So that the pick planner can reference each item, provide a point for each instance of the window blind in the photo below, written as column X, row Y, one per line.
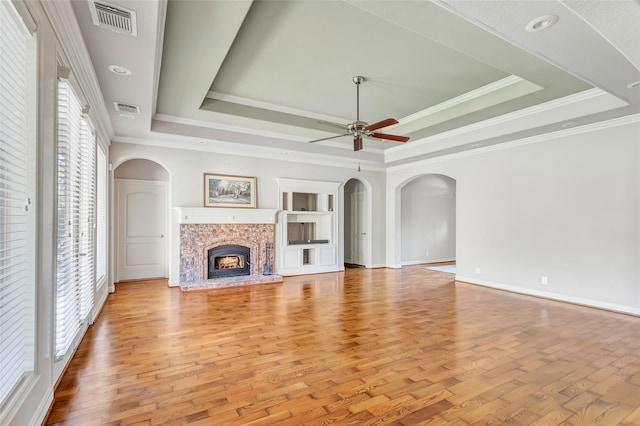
column 87, row 216
column 16, row 220
column 76, row 218
column 101, row 218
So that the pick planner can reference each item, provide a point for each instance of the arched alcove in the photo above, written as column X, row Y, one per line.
column 428, row 219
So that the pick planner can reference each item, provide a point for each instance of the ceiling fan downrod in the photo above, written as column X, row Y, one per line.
column 357, row 80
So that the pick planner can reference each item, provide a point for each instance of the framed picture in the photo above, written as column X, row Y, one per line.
column 229, row 191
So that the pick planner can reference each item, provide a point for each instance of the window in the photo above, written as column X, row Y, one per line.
column 76, row 218
column 17, row 202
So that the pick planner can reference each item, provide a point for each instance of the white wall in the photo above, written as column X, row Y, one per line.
column 567, row 208
column 187, row 167
column 428, row 220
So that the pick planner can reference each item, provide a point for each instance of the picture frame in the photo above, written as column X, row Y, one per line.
column 230, row 191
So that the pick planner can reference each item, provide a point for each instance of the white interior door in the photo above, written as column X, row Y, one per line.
column 359, row 225
column 141, row 229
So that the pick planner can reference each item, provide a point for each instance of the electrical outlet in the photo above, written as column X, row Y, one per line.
column 477, row 269
column 543, row 281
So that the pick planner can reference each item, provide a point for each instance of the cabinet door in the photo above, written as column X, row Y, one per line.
column 326, row 255
column 291, row 258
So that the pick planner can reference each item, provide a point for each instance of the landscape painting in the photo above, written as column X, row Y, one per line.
column 229, row 191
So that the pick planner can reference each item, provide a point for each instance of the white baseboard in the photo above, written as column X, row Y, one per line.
column 418, row 262
column 41, row 412
column 553, row 296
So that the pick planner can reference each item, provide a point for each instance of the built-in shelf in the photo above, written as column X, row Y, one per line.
column 306, row 230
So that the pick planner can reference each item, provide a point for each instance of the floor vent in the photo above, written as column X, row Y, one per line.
column 114, row 18
column 126, row 108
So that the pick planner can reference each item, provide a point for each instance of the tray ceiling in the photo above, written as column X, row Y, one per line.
column 265, row 73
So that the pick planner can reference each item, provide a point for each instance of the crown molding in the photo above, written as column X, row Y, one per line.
column 267, row 153
column 65, row 26
column 616, row 122
column 567, row 108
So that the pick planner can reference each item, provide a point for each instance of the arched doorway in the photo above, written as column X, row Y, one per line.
column 141, row 213
column 357, row 223
column 428, row 220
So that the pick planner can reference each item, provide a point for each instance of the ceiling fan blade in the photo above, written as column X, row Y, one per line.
column 389, row 137
column 357, row 143
column 330, row 137
column 381, row 124
column 339, row 126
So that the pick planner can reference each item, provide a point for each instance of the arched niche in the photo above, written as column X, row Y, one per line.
column 428, row 219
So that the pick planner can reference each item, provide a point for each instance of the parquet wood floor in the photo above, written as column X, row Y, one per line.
column 364, row 347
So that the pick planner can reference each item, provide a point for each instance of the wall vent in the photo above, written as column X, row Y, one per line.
column 126, row 108
column 114, row 18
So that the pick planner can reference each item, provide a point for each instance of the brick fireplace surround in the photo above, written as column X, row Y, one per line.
column 202, row 229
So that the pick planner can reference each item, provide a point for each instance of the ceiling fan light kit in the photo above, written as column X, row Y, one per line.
column 359, row 129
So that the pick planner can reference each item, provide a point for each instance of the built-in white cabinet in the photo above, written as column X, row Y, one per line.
column 307, row 228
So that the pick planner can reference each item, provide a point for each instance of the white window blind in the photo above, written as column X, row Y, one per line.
column 17, row 222
column 87, row 215
column 76, row 218
column 101, row 218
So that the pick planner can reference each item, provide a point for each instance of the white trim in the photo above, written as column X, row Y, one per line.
column 426, row 261
column 252, row 151
column 602, row 125
column 377, row 265
column 274, row 107
column 466, row 103
column 17, row 399
column 40, row 414
column 98, row 302
column 212, row 215
column 566, row 108
column 553, row 296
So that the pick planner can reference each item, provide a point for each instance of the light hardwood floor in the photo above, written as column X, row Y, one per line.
column 363, row 347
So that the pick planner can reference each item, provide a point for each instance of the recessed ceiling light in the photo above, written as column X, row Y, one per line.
column 117, row 69
column 542, row 23
column 634, row 85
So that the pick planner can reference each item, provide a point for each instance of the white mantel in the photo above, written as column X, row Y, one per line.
column 205, row 215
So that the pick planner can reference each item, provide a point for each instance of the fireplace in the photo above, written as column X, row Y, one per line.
column 249, row 232
column 229, row 260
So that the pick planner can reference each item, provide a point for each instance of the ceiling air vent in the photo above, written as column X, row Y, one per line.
column 114, row 18
column 126, row 108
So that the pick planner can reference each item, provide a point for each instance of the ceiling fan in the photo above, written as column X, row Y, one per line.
column 359, row 129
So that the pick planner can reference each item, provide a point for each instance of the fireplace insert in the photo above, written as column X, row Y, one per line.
column 229, row 261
